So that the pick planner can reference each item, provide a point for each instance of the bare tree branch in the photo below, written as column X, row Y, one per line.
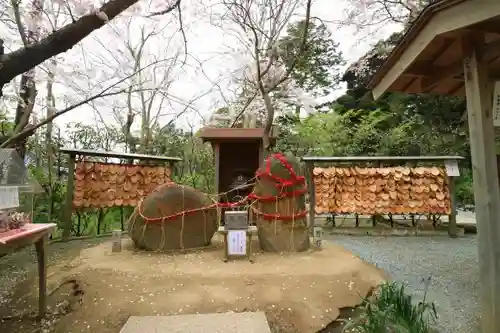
column 167, row 10
column 30, row 130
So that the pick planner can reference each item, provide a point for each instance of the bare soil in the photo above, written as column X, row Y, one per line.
column 98, row 290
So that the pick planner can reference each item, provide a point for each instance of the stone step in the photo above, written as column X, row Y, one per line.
column 230, row 322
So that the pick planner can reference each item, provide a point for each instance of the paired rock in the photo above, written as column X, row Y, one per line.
column 195, row 228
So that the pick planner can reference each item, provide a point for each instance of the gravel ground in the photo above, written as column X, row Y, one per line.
column 451, row 264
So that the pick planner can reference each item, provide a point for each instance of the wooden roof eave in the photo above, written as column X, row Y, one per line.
column 443, row 17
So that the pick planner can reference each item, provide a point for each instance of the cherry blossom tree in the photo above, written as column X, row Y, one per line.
column 38, row 32
column 374, row 14
column 265, row 80
column 85, row 18
column 370, row 16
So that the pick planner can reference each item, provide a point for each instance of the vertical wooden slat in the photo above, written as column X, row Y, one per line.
column 486, row 187
column 68, row 209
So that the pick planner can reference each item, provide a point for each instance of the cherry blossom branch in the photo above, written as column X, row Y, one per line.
column 26, row 58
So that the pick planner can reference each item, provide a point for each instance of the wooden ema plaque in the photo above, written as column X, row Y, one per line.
column 399, row 190
column 102, row 185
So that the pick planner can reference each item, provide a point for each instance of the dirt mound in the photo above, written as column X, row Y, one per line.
column 281, row 186
column 159, row 224
column 299, row 292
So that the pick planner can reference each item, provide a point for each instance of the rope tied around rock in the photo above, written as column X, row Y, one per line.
column 281, row 184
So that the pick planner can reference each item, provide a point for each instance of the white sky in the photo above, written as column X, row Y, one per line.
column 205, row 42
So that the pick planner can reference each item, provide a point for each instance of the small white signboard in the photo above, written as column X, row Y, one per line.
column 9, row 197
column 496, row 105
column 452, row 169
column 237, row 242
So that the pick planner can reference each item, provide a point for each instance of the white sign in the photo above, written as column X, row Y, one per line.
column 237, row 242
column 9, row 197
column 496, row 105
column 317, row 236
column 452, row 169
column 318, row 232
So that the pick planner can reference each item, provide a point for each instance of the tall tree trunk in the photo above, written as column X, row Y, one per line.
column 48, row 140
column 27, row 91
column 269, row 121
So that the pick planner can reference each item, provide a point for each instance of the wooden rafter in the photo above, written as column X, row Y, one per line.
column 431, row 75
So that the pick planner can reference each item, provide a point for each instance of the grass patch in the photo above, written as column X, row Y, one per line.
column 392, row 310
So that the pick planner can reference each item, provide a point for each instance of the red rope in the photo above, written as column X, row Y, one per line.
column 281, row 184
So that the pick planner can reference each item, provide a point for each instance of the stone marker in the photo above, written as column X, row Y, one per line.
column 243, row 322
column 116, row 245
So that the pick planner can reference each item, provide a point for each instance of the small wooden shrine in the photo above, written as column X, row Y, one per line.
column 239, row 152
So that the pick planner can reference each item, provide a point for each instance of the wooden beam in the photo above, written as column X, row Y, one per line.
column 486, row 187
column 112, row 154
column 489, row 27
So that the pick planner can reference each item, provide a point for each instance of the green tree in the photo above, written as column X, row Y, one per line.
column 317, row 68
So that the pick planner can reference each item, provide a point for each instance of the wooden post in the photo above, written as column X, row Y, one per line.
column 312, row 196
column 226, row 252
column 42, row 275
column 216, row 146
column 68, row 208
column 452, row 218
column 486, row 187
